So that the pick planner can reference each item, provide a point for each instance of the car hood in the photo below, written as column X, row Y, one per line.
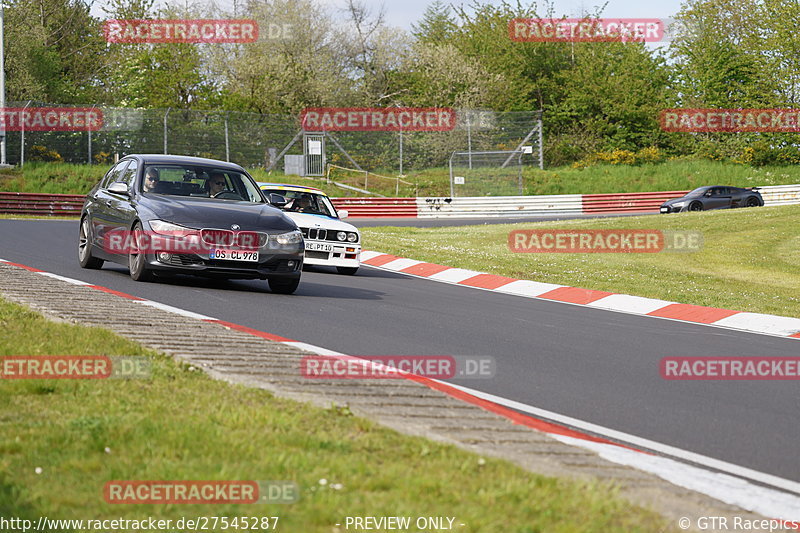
column 305, row 220
column 205, row 213
column 676, row 200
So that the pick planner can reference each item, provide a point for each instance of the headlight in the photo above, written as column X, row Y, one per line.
column 352, row 237
column 342, row 236
column 679, row 204
column 173, row 230
column 293, row 237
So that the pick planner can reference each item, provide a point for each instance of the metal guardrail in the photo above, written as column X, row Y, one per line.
column 637, row 202
column 498, row 206
column 21, row 203
column 17, row 203
column 378, row 207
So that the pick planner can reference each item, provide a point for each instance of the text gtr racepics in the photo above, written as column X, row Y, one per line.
column 329, row 241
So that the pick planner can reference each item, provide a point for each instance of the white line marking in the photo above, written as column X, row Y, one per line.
column 62, row 278
column 729, row 489
column 176, row 310
column 768, row 479
column 311, row 348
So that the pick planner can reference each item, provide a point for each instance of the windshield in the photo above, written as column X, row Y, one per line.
column 306, row 202
column 201, row 182
column 698, row 191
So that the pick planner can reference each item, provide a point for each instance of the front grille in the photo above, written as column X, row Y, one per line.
column 319, row 234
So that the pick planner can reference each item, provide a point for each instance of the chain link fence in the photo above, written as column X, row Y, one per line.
column 262, row 140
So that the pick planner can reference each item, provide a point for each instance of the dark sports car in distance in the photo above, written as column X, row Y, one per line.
column 715, row 197
column 160, row 214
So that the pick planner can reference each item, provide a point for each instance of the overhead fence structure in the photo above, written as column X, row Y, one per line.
column 256, row 140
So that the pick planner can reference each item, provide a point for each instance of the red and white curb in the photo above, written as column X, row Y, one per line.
column 725, row 482
column 780, row 326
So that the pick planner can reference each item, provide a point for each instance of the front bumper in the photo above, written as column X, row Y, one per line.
column 285, row 265
column 341, row 254
column 672, row 209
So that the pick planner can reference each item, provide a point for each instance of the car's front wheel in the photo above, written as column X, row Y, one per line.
column 284, row 286
column 752, row 202
column 695, row 206
column 348, row 271
column 137, row 262
column 85, row 257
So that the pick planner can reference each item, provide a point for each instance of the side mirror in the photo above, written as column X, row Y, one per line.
column 343, row 213
column 277, row 200
column 119, row 188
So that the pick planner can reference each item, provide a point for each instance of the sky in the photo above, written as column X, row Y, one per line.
column 403, row 13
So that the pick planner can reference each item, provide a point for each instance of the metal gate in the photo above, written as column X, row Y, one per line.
column 314, row 152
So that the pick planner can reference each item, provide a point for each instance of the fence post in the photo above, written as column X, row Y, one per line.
column 401, row 152
column 469, row 137
column 89, row 132
column 227, row 146
column 165, row 130
column 541, row 143
column 22, row 137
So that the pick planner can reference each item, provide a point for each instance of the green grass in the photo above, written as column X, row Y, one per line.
column 672, row 175
column 181, row 425
column 750, row 260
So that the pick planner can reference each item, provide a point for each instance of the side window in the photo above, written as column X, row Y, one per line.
column 129, row 175
column 113, row 174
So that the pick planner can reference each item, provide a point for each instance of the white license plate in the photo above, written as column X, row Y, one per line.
column 318, row 247
column 234, row 255
column 664, row 209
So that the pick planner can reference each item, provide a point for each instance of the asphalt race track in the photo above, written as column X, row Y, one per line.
column 595, row 365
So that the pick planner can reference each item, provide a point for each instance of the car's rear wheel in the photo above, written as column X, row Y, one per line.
column 695, row 206
column 284, row 286
column 85, row 257
column 137, row 262
column 752, row 202
column 348, row 271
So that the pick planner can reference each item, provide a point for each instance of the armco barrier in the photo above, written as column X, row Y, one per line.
column 780, row 194
column 498, row 206
column 439, row 207
column 21, row 203
column 637, row 202
column 378, row 207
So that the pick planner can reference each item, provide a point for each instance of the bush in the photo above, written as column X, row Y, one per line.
column 103, row 158
column 41, row 153
column 650, row 154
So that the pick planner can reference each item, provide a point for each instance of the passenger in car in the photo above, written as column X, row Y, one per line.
column 152, row 181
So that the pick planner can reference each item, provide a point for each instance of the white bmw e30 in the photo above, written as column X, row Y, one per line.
column 329, row 240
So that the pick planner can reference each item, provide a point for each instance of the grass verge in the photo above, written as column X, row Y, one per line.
column 750, row 260
column 182, row 425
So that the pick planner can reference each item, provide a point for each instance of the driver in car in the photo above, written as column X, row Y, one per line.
column 216, row 183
